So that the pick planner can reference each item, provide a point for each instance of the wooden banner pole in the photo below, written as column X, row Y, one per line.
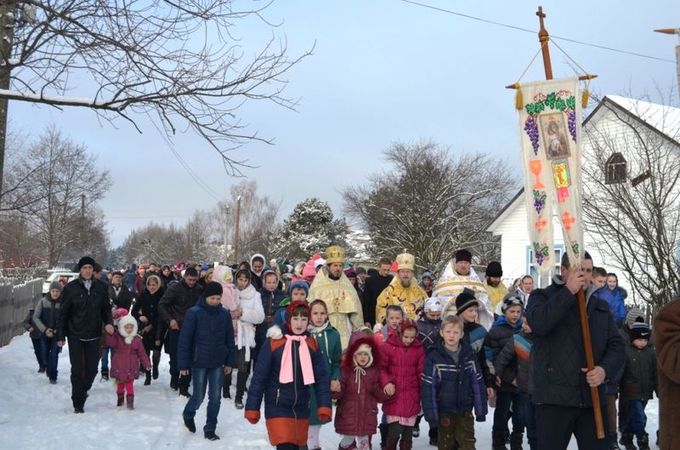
column 544, row 38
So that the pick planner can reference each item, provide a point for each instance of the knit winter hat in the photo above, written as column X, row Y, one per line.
column 84, row 261
column 319, row 262
column 633, row 313
column 494, row 269
column 463, row 255
column 120, row 312
column 350, row 273
column 309, row 271
column 512, row 299
column 433, row 304
column 289, row 313
column 465, row 300
column 364, row 348
column 127, row 320
column 56, row 285
column 301, row 284
column 639, row 330
column 406, row 324
column 212, row 288
column 427, row 275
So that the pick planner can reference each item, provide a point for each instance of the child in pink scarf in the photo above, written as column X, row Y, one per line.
column 287, row 368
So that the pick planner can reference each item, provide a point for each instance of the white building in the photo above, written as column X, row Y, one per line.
column 607, row 119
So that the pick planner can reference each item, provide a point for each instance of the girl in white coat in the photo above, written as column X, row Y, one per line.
column 248, row 314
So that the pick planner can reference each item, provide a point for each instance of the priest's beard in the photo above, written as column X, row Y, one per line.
column 406, row 283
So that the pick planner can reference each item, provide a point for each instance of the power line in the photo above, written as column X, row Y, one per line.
column 526, row 30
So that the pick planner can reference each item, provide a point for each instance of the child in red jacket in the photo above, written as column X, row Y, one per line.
column 360, row 392
column 128, row 355
column 403, row 359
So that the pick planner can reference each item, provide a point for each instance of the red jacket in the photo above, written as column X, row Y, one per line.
column 402, row 366
column 126, row 357
column 357, row 413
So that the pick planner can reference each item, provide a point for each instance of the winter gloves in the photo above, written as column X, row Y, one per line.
column 324, row 413
column 252, row 416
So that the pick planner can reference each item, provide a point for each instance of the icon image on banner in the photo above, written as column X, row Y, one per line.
column 554, row 132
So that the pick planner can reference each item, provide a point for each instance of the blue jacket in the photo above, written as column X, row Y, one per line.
column 448, row 387
column 428, row 332
column 616, row 300
column 206, row 339
column 270, row 306
column 289, row 399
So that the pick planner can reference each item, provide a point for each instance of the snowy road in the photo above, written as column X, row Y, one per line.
column 37, row 415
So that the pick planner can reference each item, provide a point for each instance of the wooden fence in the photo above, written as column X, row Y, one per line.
column 15, row 301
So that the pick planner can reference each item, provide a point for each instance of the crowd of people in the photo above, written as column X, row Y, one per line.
column 388, row 350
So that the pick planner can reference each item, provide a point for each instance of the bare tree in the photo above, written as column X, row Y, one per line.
column 177, row 61
column 66, row 183
column 258, row 218
column 431, row 204
column 201, row 238
column 631, row 183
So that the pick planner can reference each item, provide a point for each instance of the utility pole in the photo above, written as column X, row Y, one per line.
column 236, row 228
column 8, row 10
column 675, row 31
column 226, row 248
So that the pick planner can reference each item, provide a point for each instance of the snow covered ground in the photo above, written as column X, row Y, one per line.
column 37, row 415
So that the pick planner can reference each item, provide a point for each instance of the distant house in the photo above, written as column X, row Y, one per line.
column 608, row 119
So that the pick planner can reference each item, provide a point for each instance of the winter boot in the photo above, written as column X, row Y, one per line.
column 405, row 445
column 383, row 435
column 174, row 384
column 238, row 403
column 498, row 441
column 42, row 369
column 105, row 374
column 516, row 440
column 613, row 444
column 390, row 444
column 643, row 442
column 351, row 446
column 156, row 360
column 120, row 399
column 211, row 436
column 189, row 423
column 225, row 387
column 147, row 380
column 627, row 441
column 130, row 401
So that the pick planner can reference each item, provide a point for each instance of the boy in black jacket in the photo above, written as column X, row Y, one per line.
column 638, row 385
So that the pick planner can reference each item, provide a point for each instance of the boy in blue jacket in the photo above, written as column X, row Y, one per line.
column 452, row 386
column 206, row 350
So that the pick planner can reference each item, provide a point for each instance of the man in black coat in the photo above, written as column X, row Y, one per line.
column 561, row 382
column 178, row 298
column 373, row 288
column 85, row 308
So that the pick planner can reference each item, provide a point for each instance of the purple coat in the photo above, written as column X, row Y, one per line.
column 357, row 413
column 126, row 357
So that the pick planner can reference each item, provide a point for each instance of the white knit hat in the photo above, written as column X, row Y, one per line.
column 364, row 348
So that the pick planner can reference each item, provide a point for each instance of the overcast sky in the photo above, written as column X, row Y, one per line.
column 382, row 71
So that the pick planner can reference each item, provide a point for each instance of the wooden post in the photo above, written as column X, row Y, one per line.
column 236, row 228
column 544, row 38
column 226, row 217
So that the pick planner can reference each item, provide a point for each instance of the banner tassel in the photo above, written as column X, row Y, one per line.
column 585, row 97
column 519, row 98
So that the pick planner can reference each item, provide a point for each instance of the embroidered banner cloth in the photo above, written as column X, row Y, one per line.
column 550, row 141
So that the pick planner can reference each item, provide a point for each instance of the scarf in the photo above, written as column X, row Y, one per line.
column 358, row 373
column 286, row 373
column 316, row 332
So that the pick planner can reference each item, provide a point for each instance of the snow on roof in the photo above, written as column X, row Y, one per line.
column 664, row 118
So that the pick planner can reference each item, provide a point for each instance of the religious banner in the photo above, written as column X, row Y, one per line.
column 550, row 137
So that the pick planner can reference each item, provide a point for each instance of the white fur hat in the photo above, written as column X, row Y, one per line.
column 365, row 348
column 126, row 320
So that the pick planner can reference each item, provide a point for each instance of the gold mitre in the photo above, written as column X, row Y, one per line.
column 406, row 261
column 335, row 254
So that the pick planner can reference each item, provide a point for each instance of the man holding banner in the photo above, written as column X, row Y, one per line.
column 561, row 382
